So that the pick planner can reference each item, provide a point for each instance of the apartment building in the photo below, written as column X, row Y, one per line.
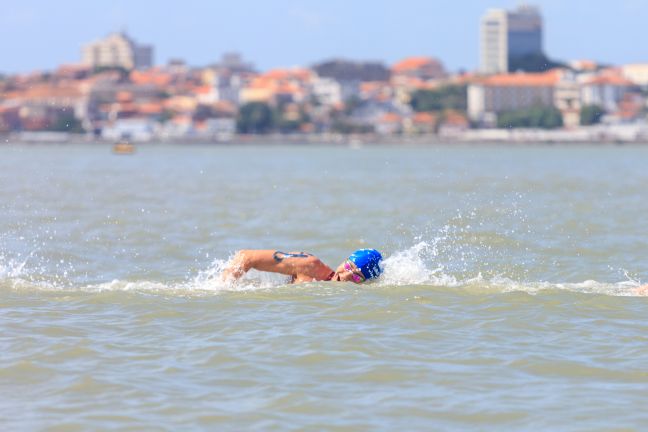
column 606, row 89
column 509, row 34
column 495, row 94
column 117, row 50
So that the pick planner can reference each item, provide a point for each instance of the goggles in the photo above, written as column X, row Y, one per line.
column 356, row 275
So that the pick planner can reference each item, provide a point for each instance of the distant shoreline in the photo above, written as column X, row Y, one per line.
column 518, row 137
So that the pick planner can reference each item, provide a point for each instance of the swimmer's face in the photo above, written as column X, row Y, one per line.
column 348, row 272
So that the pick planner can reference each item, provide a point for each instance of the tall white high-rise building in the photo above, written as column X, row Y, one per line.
column 493, row 49
column 509, row 34
column 117, row 50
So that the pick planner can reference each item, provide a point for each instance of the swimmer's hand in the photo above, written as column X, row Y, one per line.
column 642, row 290
column 236, row 267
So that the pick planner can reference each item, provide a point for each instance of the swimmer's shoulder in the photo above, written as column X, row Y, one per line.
column 312, row 269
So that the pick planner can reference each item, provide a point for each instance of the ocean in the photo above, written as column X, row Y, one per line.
column 509, row 301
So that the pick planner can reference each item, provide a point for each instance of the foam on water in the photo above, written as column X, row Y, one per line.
column 412, row 267
column 10, row 267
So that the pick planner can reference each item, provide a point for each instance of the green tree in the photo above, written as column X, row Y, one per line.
column 66, row 122
column 535, row 117
column 453, row 97
column 290, row 125
column 591, row 114
column 165, row 116
column 255, row 118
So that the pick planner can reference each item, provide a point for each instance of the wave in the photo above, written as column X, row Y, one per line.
column 411, row 267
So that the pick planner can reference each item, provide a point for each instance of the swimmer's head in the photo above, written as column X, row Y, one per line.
column 368, row 261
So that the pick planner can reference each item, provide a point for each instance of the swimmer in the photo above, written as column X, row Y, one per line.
column 362, row 265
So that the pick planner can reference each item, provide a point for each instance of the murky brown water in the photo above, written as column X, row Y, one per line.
column 508, row 302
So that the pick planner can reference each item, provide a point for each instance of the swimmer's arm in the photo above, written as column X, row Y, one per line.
column 291, row 264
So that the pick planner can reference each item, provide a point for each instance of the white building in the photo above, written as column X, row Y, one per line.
column 605, row 90
column 493, row 42
column 327, row 91
column 505, row 34
column 495, row 94
column 220, row 129
column 133, row 129
column 117, row 50
column 637, row 73
column 567, row 98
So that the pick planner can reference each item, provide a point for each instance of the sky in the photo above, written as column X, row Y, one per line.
column 40, row 35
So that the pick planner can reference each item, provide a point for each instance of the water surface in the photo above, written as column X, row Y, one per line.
column 509, row 299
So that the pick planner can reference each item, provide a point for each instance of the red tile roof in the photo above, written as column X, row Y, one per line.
column 203, row 90
column 413, row 63
column 124, row 96
column 39, row 92
column 390, row 118
column 299, row 74
column 150, row 108
column 152, row 76
column 522, row 79
column 609, row 79
column 424, row 118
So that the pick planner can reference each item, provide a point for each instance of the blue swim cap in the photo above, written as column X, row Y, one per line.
column 368, row 261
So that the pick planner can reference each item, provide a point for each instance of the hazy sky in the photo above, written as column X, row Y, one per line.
column 39, row 34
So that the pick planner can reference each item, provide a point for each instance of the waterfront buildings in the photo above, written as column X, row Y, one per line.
column 509, row 35
column 117, row 50
column 413, row 96
column 563, row 89
column 279, row 86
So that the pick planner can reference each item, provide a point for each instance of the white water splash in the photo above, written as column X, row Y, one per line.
column 409, row 267
column 414, row 266
column 12, row 268
column 211, row 279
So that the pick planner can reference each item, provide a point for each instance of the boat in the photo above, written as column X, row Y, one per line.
column 123, row 147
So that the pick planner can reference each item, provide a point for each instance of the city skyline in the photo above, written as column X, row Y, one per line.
column 288, row 33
